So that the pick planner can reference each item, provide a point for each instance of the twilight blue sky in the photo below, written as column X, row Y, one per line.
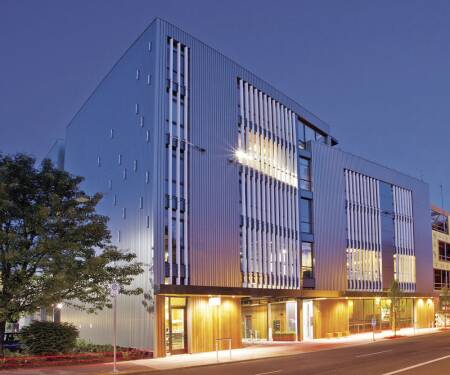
column 377, row 71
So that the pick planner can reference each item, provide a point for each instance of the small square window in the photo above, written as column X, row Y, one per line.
column 149, row 79
column 141, row 121
column 147, row 177
column 98, row 161
column 141, row 203
column 147, row 136
column 148, row 221
column 120, row 159
column 135, row 165
column 138, row 74
column 110, row 184
column 137, row 108
column 111, row 133
column 124, row 173
column 149, row 46
column 124, row 213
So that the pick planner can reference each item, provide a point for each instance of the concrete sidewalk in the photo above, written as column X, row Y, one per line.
column 249, row 352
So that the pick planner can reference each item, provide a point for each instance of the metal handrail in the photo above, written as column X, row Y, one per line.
column 229, row 339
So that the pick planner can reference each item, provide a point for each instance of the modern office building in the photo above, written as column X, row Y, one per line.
column 441, row 247
column 250, row 221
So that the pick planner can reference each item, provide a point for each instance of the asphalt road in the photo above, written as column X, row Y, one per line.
column 429, row 353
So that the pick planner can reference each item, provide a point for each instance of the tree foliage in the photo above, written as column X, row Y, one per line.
column 53, row 245
column 395, row 294
column 49, row 337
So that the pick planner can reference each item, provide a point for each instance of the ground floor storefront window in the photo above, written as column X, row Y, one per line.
column 264, row 320
column 364, row 312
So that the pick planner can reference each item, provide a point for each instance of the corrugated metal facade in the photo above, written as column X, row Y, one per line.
column 330, row 221
column 112, row 142
column 117, row 141
column 214, row 209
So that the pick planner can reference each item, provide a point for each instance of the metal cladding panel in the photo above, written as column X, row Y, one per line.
column 214, row 211
column 112, row 142
column 328, row 180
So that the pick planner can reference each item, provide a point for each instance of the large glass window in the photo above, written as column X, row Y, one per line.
column 441, row 279
column 306, row 215
column 306, row 132
column 305, row 174
column 439, row 222
column 444, row 251
column 307, row 260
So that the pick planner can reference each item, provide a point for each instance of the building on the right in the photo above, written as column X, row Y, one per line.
column 441, row 247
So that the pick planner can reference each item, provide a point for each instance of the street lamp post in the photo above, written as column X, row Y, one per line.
column 114, row 290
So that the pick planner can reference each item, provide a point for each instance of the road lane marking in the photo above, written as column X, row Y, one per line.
column 415, row 366
column 270, row 372
column 368, row 355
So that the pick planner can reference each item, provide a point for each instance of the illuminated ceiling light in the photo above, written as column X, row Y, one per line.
column 59, row 305
column 214, row 301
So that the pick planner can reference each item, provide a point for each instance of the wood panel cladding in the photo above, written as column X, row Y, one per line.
column 424, row 313
column 160, row 348
column 330, row 318
column 208, row 323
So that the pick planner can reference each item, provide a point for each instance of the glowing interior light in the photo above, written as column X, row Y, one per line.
column 214, row 301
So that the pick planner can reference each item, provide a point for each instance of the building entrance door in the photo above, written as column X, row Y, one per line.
column 175, row 325
column 308, row 319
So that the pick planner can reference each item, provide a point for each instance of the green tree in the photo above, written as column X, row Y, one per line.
column 53, row 245
column 395, row 294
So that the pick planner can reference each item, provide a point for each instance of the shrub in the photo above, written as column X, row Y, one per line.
column 49, row 337
column 84, row 346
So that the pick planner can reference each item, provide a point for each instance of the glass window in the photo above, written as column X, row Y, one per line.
column 306, row 215
column 386, row 200
column 301, row 134
column 305, row 174
column 310, row 134
column 307, row 260
column 441, row 279
column 444, row 251
column 439, row 222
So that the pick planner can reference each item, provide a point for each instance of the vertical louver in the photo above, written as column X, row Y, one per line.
column 268, row 190
column 176, row 245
